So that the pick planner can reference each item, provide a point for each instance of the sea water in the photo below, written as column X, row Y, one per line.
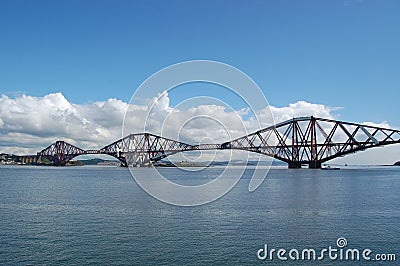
column 100, row 216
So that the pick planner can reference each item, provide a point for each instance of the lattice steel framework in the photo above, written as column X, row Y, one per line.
column 144, row 148
column 304, row 140
column 60, row 152
column 313, row 141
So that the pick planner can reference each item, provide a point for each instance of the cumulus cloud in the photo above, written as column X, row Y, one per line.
column 29, row 124
column 302, row 108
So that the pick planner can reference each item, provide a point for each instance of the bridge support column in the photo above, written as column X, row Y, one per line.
column 314, row 165
column 294, row 165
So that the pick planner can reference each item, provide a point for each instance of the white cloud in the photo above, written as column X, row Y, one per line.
column 34, row 121
column 29, row 124
column 302, row 108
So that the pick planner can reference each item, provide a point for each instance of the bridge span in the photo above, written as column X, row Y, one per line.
column 299, row 141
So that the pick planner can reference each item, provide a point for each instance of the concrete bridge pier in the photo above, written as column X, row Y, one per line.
column 311, row 165
column 294, row 165
column 314, row 165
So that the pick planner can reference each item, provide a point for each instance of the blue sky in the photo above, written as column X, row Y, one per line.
column 338, row 53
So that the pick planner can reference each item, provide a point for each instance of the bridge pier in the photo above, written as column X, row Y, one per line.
column 314, row 165
column 294, row 165
column 311, row 165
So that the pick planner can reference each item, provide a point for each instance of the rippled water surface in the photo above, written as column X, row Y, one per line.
column 99, row 215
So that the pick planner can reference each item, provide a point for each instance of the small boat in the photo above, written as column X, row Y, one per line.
column 330, row 168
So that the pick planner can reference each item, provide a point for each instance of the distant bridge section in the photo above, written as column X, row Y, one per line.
column 144, row 148
column 300, row 141
column 61, row 152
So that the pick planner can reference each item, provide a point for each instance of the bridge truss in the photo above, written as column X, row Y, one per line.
column 60, row 152
column 305, row 140
column 144, row 148
column 313, row 141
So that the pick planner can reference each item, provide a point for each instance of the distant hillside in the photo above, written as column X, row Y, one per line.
column 98, row 161
column 397, row 163
column 94, row 161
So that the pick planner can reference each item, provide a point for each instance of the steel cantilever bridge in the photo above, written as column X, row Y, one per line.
column 299, row 141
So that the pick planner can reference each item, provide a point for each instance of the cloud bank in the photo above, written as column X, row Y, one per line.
column 29, row 124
